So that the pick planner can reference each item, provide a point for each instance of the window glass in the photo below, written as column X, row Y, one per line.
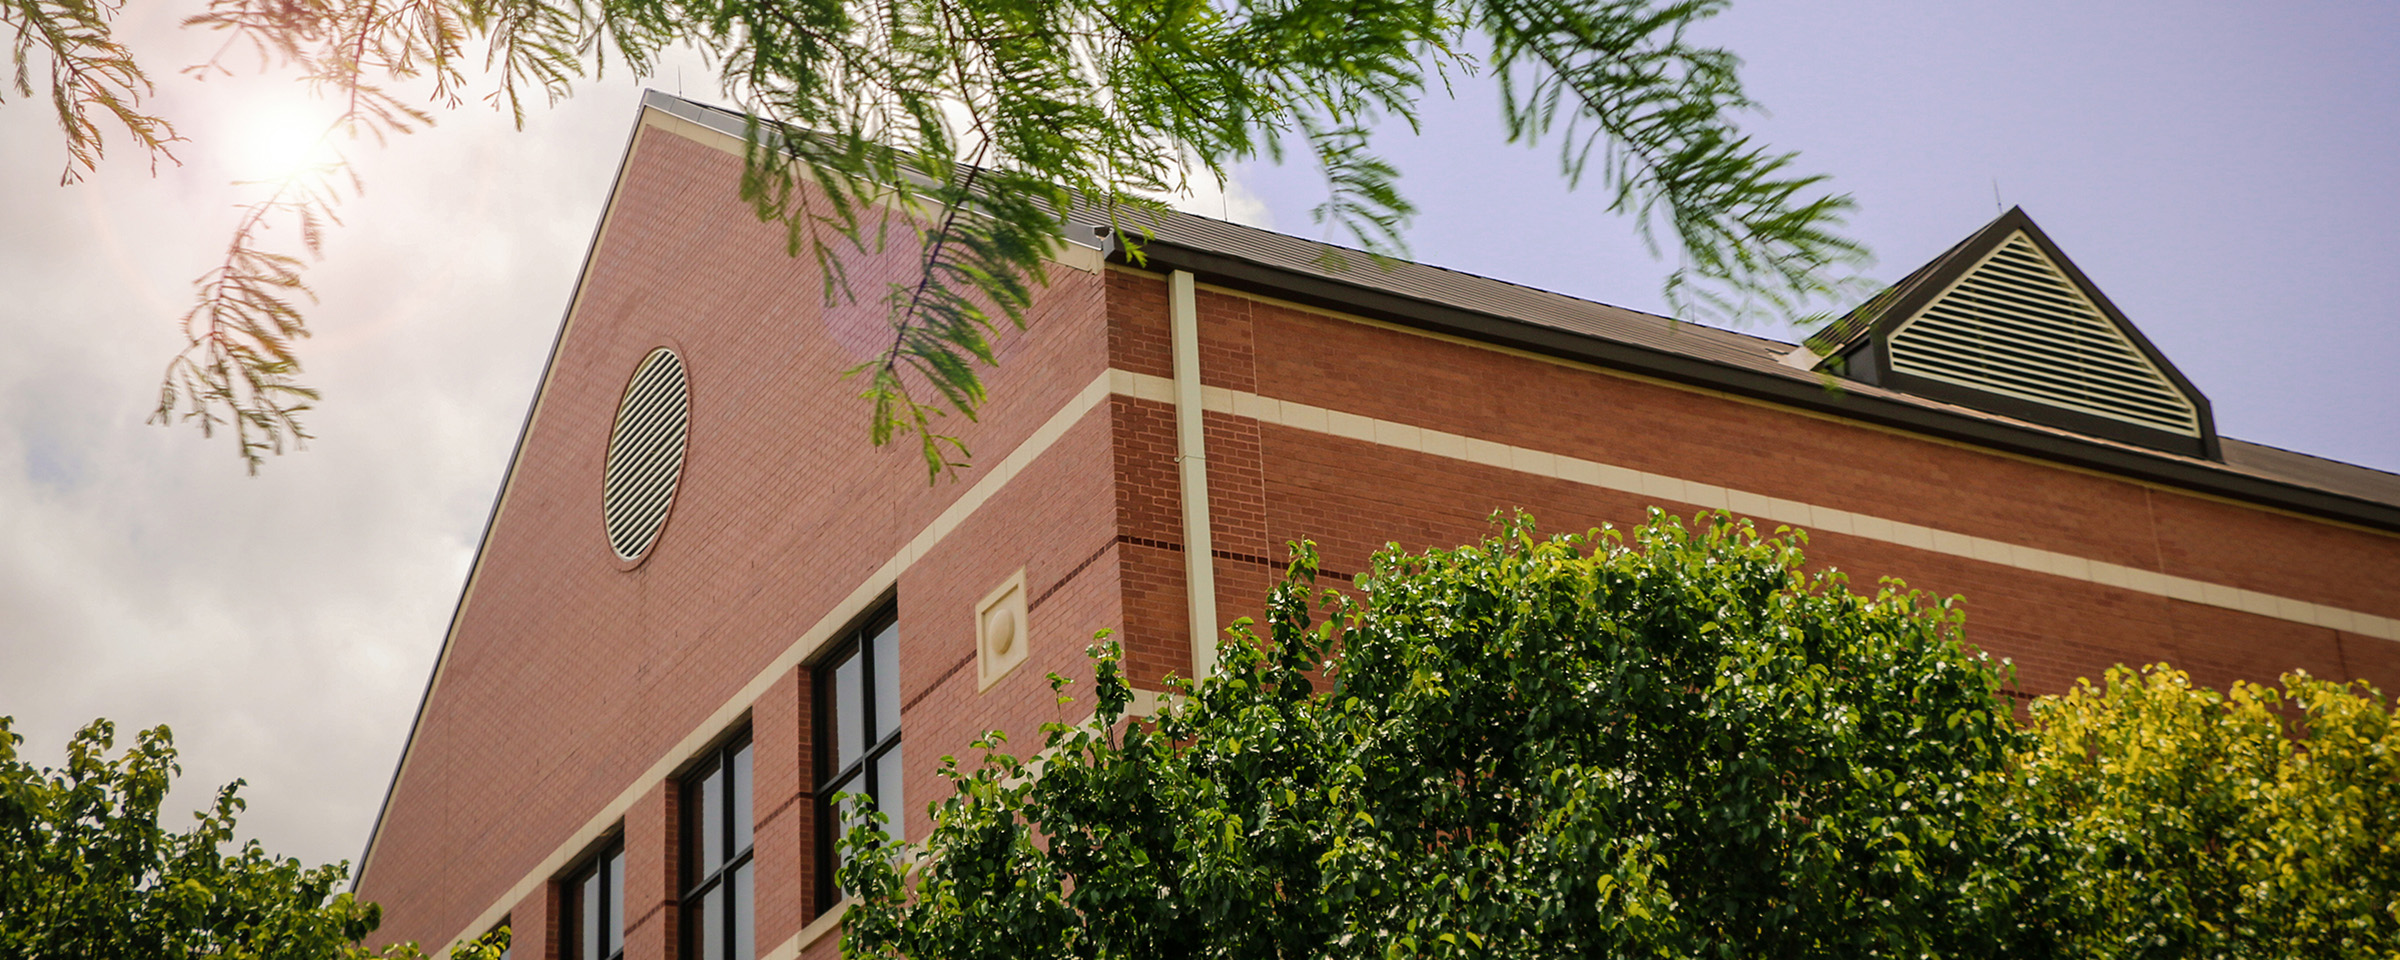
column 887, row 681
column 858, row 690
column 709, row 852
column 745, row 929
column 849, row 719
column 712, row 923
column 593, row 911
column 887, row 793
column 717, row 896
column 595, row 906
column 613, row 926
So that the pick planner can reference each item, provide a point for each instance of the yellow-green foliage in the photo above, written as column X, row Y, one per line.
column 2254, row 822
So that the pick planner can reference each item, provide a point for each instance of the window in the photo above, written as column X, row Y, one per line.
column 718, row 879
column 595, row 898
column 858, row 737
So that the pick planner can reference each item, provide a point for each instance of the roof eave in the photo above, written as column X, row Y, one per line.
column 1232, row 271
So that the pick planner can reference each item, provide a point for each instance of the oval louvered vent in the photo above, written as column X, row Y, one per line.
column 2015, row 325
column 645, row 454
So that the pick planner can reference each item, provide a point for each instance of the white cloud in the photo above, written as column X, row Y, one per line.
column 1226, row 199
column 283, row 625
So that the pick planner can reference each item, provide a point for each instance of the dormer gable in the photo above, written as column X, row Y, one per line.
column 2004, row 322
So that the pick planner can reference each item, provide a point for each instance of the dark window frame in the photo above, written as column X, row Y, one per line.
column 863, row 774
column 602, row 875
column 725, row 776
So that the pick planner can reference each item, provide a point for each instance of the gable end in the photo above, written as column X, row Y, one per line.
column 2004, row 322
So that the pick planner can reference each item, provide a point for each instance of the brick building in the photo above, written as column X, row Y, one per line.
column 703, row 601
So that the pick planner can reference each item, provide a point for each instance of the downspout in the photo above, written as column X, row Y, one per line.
column 1191, row 456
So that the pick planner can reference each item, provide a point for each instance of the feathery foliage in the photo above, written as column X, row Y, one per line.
column 970, row 130
column 92, row 77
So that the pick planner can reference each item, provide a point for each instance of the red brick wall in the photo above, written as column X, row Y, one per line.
column 533, row 925
column 569, row 676
column 653, row 873
column 1137, row 324
column 1353, row 497
column 782, row 777
column 1054, row 520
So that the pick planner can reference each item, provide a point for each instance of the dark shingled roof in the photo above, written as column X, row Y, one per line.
column 1497, row 311
column 1338, row 277
column 2350, row 480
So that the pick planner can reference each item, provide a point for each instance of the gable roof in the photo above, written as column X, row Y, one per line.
column 2004, row 321
column 1507, row 314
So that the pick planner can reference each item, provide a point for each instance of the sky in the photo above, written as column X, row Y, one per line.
column 2228, row 174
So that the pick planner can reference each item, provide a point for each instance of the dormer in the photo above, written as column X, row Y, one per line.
column 2004, row 322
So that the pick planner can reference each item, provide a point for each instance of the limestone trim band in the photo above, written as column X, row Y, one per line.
column 1402, row 436
column 826, row 628
column 1301, row 416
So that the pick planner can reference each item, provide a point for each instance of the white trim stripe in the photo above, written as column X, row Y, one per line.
column 1191, row 462
column 1401, row 436
column 1301, row 416
column 867, row 592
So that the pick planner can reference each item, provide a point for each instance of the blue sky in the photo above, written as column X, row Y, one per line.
column 2228, row 174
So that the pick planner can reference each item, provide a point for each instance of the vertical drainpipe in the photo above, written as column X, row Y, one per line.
column 1191, row 455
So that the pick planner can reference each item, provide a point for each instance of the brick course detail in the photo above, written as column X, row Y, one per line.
column 570, row 678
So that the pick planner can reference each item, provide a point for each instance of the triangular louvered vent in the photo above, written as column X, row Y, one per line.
column 645, row 454
column 2015, row 325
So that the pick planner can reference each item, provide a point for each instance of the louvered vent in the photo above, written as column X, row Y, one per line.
column 2016, row 326
column 645, row 454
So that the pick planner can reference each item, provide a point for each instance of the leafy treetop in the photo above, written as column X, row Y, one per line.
column 1662, row 742
column 1656, row 742
column 2253, row 822
column 87, row 871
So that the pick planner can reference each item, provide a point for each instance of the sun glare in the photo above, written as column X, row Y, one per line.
column 277, row 136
